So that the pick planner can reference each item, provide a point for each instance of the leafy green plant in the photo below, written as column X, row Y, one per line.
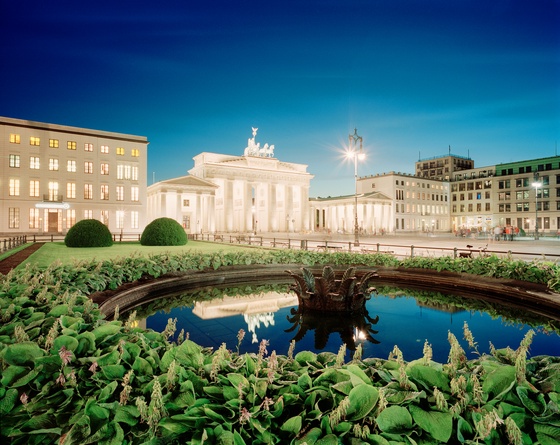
column 88, row 233
column 163, row 232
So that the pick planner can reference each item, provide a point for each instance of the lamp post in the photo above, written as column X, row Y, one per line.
column 353, row 153
column 536, row 184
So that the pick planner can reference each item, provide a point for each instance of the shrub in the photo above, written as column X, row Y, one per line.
column 163, row 232
column 88, row 233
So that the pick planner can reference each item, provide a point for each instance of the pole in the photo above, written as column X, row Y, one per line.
column 353, row 138
column 536, row 213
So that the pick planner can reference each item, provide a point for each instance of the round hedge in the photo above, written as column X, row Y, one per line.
column 88, row 233
column 163, row 232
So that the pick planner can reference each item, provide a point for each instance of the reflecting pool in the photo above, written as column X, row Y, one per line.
column 404, row 317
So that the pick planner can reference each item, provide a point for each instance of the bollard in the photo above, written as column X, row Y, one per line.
column 411, row 251
column 454, row 252
column 377, row 247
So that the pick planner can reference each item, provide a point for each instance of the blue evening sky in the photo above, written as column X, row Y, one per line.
column 413, row 76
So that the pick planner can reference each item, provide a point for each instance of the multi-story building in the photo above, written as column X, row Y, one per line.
column 442, row 167
column 55, row 175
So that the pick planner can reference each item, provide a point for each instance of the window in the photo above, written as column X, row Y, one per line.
column 34, row 163
column 120, row 171
column 14, row 187
column 88, row 214
column 88, row 167
column 134, row 220
column 135, row 152
column 71, row 145
column 186, row 203
column 70, row 190
column 34, row 218
column 71, row 166
column 479, row 207
column 34, row 141
column 53, row 143
column 14, row 161
column 120, row 193
column 487, row 206
column 104, row 149
column 34, row 188
column 120, row 219
column 53, row 191
column 134, row 194
column 53, row 164
column 470, row 207
column 127, row 170
column 120, row 151
column 88, row 191
column 70, row 218
column 104, row 169
column 478, row 195
column 104, row 192
column 135, row 173
column 519, row 182
column 14, row 138
column 13, row 218
column 88, row 147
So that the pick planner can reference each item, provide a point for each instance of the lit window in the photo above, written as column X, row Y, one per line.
column 53, row 164
column 14, row 161
column 34, row 141
column 14, row 187
column 70, row 218
column 53, row 143
column 120, row 219
column 34, row 215
column 120, row 193
column 88, row 147
column 135, row 152
column 34, row 163
column 14, row 138
column 70, row 190
column 88, row 167
column 104, row 149
column 134, row 194
column 34, row 188
column 135, row 173
column 88, row 214
column 127, row 169
column 71, row 145
column 71, row 166
column 104, row 192
column 53, row 191
column 104, row 169
column 13, row 218
column 88, row 192
column 120, row 151
column 134, row 220
column 120, row 171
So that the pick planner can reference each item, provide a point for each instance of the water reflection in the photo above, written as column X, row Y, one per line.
column 352, row 327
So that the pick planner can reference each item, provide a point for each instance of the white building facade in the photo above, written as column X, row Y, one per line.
column 54, row 176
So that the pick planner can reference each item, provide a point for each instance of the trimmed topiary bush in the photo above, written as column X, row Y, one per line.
column 88, row 233
column 163, row 232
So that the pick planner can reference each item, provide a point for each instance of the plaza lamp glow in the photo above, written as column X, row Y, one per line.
column 537, row 184
column 356, row 155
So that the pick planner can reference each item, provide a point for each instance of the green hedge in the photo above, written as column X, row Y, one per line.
column 163, row 232
column 88, row 233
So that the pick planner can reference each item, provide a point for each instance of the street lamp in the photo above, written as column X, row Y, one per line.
column 536, row 184
column 353, row 153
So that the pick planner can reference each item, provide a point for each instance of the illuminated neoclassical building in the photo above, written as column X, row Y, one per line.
column 255, row 192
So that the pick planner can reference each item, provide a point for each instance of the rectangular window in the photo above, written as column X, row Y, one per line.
column 120, row 219
column 104, row 169
column 13, row 218
column 135, row 173
column 134, row 194
column 127, row 172
column 34, row 188
column 14, row 187
column 186, row 203
column 525, row 206
column 88, row 167
column 88, row 191
column 71, row 145
column 53, row 143
column 120, row 193
column 88, row 214
column 104, row 149
column 34, row 141
column 34, row 163
column 14, row 138
column 34, row 215
column 71, row 166
column 53, row 191
column 104, row 192
column 120, row 151
column 88, row 147
column 14, row 161
column 70, row 218
column 487, row 206
column 70, row 190
column 134, row 220
column 53, row 164
column 120, row 171
column 135, row 152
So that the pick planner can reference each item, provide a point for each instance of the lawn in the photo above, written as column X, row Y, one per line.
column 58, row 251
